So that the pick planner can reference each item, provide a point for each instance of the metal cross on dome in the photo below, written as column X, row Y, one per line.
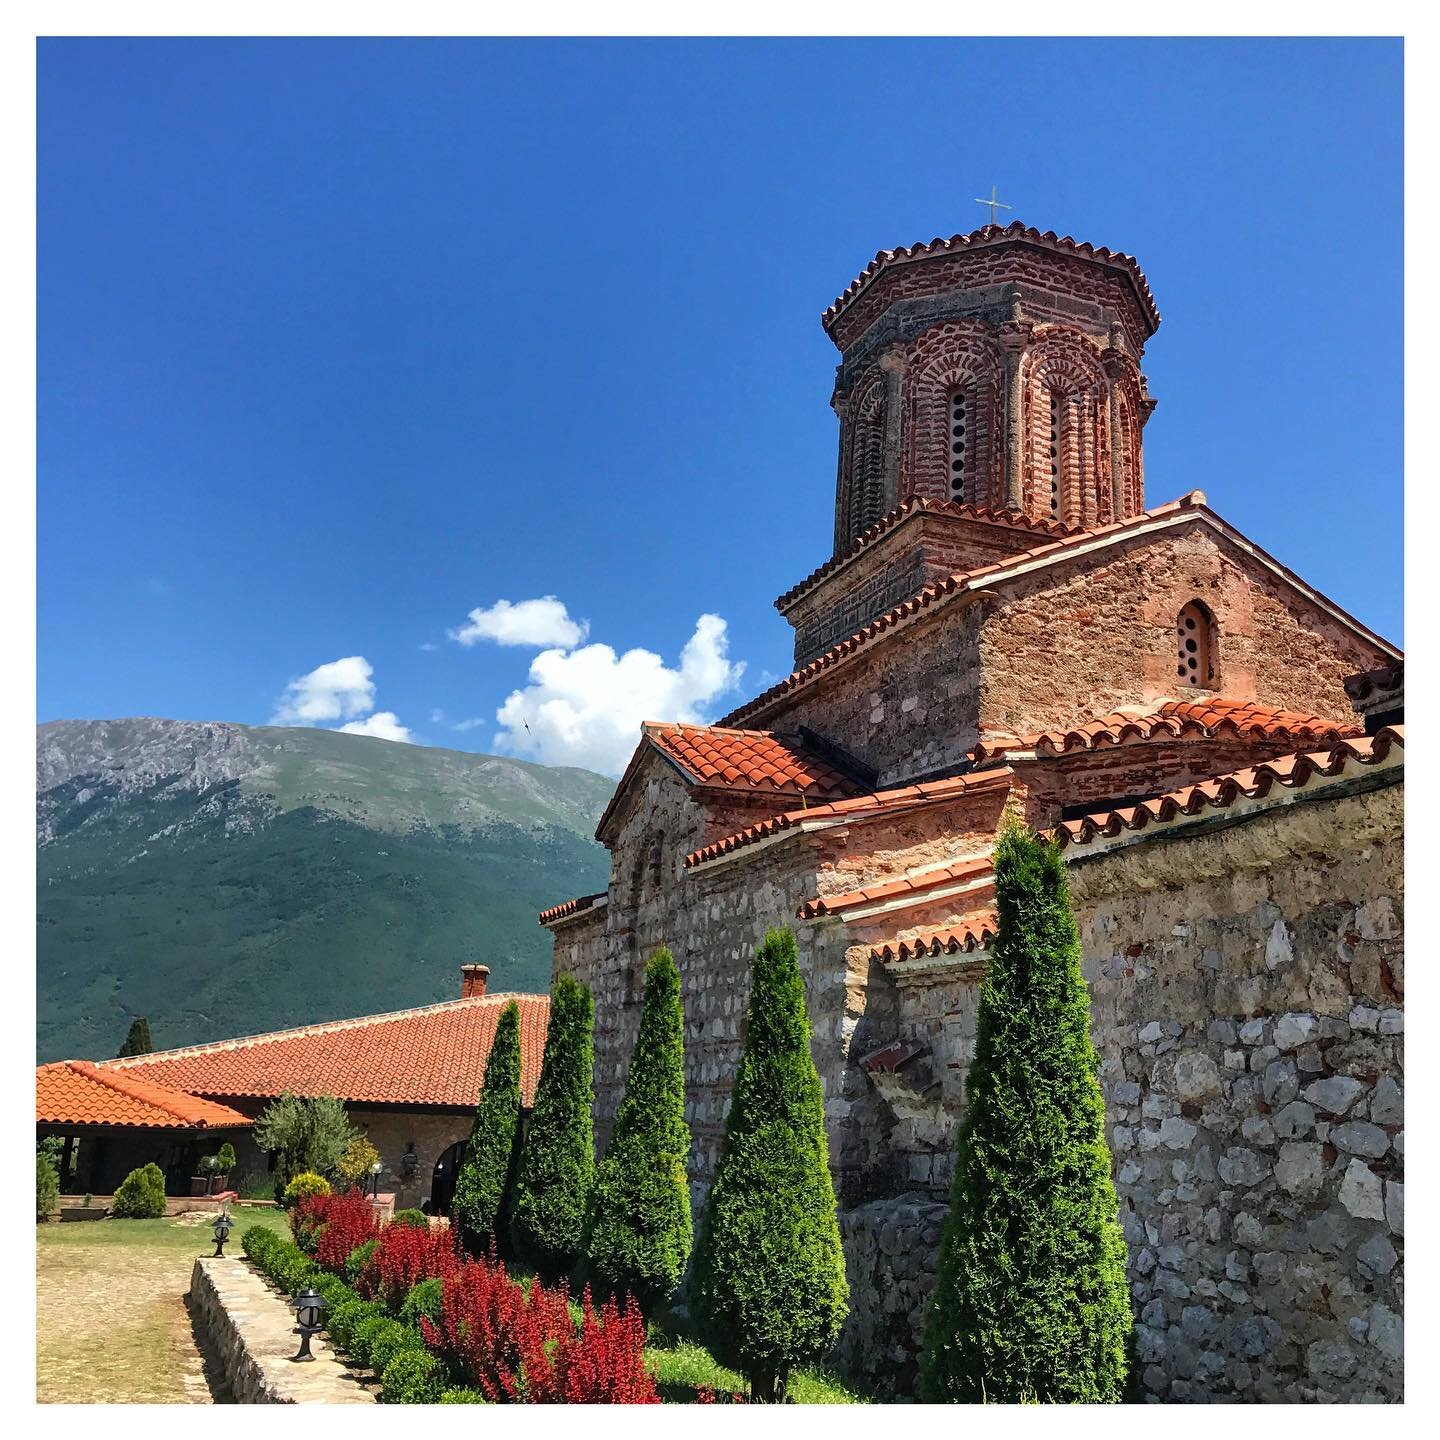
column 994, row 204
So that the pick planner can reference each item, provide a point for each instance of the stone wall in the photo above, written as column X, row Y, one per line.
column 1247, row 994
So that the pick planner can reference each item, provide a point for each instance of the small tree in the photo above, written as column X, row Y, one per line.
column 638, row 1233
column 225, row 1158
column 1031, row 1301
column 141, row 1195
column 303, row 1135
column 557, row 1155
column 354, row 1167
column 769, row 1286
column 137, row 1039
column 484, row 1185
column 47, row 1185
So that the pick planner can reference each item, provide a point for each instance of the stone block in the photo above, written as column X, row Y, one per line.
column 1335, row 1094
column 1362, row 1192
column 1300, row 1170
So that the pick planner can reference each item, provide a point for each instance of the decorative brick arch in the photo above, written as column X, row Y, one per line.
column 1132, row 463
column 957, row 358
column 865, row 454
column 1066, row 402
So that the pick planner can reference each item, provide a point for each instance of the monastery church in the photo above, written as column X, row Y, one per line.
column 1006, row 624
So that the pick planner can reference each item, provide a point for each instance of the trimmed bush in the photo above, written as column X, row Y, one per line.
column 411, row 1377
column 302, row 1187
column 557, row 1155
column 638, row 1232
column 357, row 1260
column 137, row 1039
column 424, row 1299
column 415, row 1219
column 346, row 1319
column 225, row 1158
column 47, row 1186
column 385, row 1344
column 461, row 1395
column 141, row 1195
column 367, row 1332
column 769, row 1285
column 1031, row 1302
column 484, row 1186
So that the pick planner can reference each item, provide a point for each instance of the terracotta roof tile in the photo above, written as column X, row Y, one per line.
column 989, row 235
column 566, row 908
column 75, row 1092
column 976, row 933
column 877, row 802
column 1293, row 772
column 916, row 886
column 1178, row 719
column 750, row 760
column 1013, row 519
column 434, row 1055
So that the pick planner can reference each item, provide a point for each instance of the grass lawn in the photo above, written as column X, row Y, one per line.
column 680, row 1366
column 112, row 1325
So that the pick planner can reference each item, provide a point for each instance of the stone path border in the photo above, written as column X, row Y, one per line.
column 250, row 1330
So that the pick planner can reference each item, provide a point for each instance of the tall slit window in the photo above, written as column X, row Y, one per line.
column 1056, row 404
column 1195, row 663
column 958, row 439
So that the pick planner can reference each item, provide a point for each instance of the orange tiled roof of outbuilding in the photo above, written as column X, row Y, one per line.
column 76, row 1092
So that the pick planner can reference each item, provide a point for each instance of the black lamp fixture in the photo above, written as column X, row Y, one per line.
column 309, row 1308
column 375, row 1170
column 409, row 1161
column 222, row 1226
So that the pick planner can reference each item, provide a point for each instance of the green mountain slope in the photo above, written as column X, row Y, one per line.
column 227, row 880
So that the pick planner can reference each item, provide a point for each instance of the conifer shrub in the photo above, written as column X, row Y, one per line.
column 47, row 1185
column 137, row 1039
column 1031, row 1302
column 484, row 1184
column 141, row 1195
column 769, row 1287
column 411, row 1377
column 638, row 1230
column 557, row 1155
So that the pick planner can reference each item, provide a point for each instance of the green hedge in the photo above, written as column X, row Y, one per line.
column 411, row 1377
column 141, row 1195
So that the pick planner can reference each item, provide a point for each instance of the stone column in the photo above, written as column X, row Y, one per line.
column 1115, row 368
column 1014, row 337
column 894, row 362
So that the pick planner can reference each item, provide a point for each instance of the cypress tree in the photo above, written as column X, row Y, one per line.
column 769, row 1286
column 638, row 1233
column 137, row 1039
column 1031, row 1301
column 486, row 1178
column 557, row 1155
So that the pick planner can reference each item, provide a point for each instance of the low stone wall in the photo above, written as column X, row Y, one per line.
column 250, row 1331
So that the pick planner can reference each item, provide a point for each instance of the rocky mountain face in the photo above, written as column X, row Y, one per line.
column 228, row 879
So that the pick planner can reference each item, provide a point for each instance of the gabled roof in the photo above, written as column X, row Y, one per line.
column 847, row 812
column 922, row 505
column 965, row 937
column 433, row 1055
column 997, row 234
column 568, row 909
column 75, row 1092
column 1187, row 510
column 756, row 762
column 1175, row 719
column 960, row 875
column 1344, row 761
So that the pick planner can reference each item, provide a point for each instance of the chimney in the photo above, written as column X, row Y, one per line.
column 473, row 979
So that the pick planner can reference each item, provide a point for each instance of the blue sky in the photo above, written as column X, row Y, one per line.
column 341, row 341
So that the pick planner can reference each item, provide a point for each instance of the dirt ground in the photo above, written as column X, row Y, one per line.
column 112, row 1324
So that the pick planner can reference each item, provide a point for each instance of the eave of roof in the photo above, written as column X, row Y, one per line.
column 1272, row 782
column 77, row 1092
column 956, row 877
column 1188, row 509
column 569, row 909
column 875, row 805
column 964, row 937
column 988, row 235
column 865, row 541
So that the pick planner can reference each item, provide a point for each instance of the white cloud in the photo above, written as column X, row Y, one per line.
column 383, row 725
column 526, row 622
column 463, row 725
column 337, row 691
column 585, row 707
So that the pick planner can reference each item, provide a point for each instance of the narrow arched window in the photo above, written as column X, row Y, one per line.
column 958, row 439
column 1195, row 639
column 1057, row 446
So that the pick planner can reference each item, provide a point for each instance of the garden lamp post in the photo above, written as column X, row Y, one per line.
column 222, row 1226
column 309, row 1307
column 375, row 1180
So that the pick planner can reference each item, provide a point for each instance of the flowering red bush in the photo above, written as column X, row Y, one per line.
column 341, row 1222
column 601, row 1364
column 404, row 1257
column 489, row 1324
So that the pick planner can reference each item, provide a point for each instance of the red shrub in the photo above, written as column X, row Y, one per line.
column 343, row 1221
column 489, row 1325
column 602, row 1364
column 404, row 1257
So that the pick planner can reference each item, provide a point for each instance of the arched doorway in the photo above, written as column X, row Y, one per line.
column 442, row 1182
